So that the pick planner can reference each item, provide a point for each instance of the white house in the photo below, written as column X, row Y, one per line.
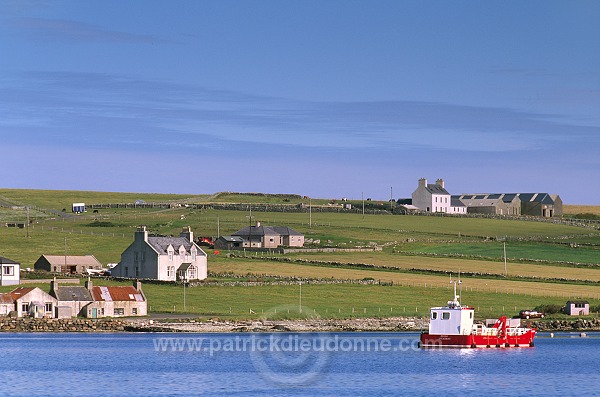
column 431, row 197
column 162, row 258
column 10, row 272
column 435, row 198
column 33, row 302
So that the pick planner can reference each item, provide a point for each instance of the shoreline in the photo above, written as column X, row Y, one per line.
column 195, row 325
column 392, row 324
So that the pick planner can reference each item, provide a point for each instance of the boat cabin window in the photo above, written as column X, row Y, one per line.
column 434, row 315
column 445, row 315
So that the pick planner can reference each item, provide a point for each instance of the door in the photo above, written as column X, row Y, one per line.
column 94, row 312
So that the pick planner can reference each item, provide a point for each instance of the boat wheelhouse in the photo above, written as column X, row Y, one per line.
column 454, row 326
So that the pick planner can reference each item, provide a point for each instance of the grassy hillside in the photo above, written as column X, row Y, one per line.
column 547, row 263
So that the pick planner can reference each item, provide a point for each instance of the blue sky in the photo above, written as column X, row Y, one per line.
column 320, row 98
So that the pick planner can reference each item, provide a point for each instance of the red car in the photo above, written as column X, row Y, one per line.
column 527, row 314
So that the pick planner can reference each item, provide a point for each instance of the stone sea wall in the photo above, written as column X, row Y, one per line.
column 62, row 325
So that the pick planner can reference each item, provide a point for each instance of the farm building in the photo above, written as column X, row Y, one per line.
column 69, row 264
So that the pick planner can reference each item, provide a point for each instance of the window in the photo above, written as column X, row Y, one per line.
column 134, row 311
column 25, row 307
column 119, row 311
column 445, row 315
column 434, row 315
column 49, row 306
column 8, row 270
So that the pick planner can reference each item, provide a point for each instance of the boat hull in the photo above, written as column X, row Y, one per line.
column 474, row 341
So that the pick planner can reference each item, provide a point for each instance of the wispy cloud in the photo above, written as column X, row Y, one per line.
column 61, row 29
column 118, row 110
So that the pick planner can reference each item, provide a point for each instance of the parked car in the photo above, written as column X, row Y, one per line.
column 527, row 314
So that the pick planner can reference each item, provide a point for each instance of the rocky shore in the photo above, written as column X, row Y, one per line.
column 313, row 325
column 391, row 324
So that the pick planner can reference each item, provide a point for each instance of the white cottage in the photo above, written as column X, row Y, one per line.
column 162, row 258
column 10, row 272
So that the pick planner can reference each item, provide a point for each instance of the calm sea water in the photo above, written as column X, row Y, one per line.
column 337, row 364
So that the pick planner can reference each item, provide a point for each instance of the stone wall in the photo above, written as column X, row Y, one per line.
column 61, row 325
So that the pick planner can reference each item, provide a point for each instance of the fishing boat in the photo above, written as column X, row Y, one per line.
column 454, row 326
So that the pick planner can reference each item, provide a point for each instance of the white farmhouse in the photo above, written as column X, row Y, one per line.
column 162, row 258
column 435, row 198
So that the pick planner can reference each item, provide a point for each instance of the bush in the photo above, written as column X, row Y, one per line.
column 549, row 309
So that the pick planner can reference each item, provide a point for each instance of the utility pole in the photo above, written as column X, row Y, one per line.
column 505, row 272
column 362, row 195
column 27, row 222
column 300, row 304
column 310, row 212
column 65, row 268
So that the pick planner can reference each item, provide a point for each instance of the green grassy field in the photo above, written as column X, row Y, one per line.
column 417, row 246
column 324, row 300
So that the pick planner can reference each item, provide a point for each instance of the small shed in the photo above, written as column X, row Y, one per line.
column 78, row 208
column 229, row 242
column 577, row 308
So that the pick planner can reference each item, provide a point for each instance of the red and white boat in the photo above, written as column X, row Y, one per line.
column 453, row 326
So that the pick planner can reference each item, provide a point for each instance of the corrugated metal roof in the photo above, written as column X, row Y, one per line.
column 19, row 292
column 108, row 294
column 6, row 299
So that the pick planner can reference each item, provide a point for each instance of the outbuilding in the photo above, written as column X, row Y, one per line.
column 577, row 308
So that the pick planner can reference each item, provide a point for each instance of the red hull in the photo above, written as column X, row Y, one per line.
column 462, row 341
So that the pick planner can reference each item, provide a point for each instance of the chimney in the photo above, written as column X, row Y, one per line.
column 88, row 284
column 53, row 287
column 137, row 285
column 141, row 233
column 440, row 182
column 423, row 182
column 187, row 233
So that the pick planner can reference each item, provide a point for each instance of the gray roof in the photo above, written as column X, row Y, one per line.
column 267, row 230
column 160, row 244
column 73, row 294
column 543, row 198
column 434, row 188
column 455, row 202
column 7, row 261
column 255, row 231
column 286, row 231
column 232, row 239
